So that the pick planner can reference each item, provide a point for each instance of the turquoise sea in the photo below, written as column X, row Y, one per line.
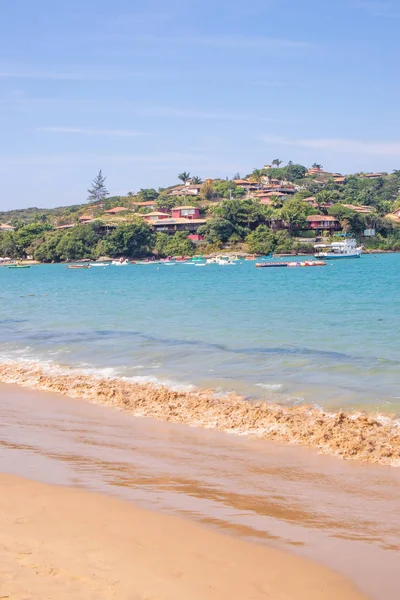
column 329, row 336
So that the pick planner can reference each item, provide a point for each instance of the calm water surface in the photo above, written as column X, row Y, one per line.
column 328, row 336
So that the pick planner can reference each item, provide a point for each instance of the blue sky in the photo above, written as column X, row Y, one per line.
column 147, row 89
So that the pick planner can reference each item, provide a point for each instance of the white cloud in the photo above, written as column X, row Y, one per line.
column 88, row 131
column 340, row 145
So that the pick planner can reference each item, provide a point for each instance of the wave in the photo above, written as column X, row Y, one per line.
column 372, row 438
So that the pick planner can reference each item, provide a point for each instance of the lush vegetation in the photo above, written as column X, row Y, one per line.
column 234, row 217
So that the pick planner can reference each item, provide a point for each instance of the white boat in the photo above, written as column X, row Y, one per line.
column 347, row 248
column 99, row 264
column 120, row 262
column 226, row 260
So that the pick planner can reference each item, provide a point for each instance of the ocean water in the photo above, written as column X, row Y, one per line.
column 326, row 336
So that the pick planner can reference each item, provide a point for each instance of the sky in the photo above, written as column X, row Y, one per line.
column 146, row 89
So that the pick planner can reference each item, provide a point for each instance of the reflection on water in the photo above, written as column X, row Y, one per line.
column 342, row 514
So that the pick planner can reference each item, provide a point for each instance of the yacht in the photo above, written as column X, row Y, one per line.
column 346, row 248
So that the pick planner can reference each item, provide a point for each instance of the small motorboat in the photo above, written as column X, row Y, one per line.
column 78, row 266
column 121, row 262
column 19, row 266
column 99, row 264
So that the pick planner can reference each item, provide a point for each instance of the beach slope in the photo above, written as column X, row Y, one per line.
column 57, row 542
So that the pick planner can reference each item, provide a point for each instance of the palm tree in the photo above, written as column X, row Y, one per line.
column 257, row 177
column 317, row 166
column 276, row 201
column 277, row 162
column 196, row 180
column 184, row 177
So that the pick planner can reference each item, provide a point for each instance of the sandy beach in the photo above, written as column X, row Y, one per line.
column 276, row 499
column 57, row 542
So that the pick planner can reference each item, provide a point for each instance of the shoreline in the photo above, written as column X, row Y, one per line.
column 372, row 438
column 138, row 554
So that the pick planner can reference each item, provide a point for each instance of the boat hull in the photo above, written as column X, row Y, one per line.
column 338, row 256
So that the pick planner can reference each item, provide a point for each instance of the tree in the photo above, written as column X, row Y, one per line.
column 131, row 240
column 174, row 245
column 261, row 240
column 147, row 194
column 197, row 180
column 98, row 191
column 277, row 162
column 276, row 201
column 217, row 230
column 165, row 202
column 184, row 177
column 317, row 166
column 207, row 190
column 257, row 176
column 228, row 189
column 293, row 214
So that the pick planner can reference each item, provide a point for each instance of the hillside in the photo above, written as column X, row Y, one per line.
column 275, row 208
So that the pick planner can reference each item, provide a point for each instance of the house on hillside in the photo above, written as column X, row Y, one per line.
column 171, row 226
column 323, row 223
column 4, row 227
column 85, row 219
column 246, row 185
column 116, row 210
column 394, row 216
column 187, row 189
column 156, row 216
column 185, row 212
column 373, row 175
column 151, row 204
column 340, row 180
column 363, row 210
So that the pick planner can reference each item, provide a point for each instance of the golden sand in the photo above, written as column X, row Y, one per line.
column 367, row 437
column 106, row 548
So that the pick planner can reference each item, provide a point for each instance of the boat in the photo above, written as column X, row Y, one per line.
column 346, row 248
column 78, row 266
column 98, row 264
column 197, row 258
column 307, row 263
column 226, row 260
column 19, row 266
column 271, row 265
column 121, row 262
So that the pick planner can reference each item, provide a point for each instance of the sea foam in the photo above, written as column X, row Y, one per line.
column 367, row 437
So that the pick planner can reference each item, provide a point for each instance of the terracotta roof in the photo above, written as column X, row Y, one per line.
column 116, row 209
column 183, row 207
column 147, row 203
column 360, row 209
column 85, row 217
column 316, row 218
column 309, row 199
column 177, row 221
column 5, row 227
column 156, row 214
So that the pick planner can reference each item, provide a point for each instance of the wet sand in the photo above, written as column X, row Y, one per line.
column 342, row 514
column 64, row 543
column 373, row 438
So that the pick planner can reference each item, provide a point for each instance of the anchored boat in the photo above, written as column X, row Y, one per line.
column 346, row 248
column 307, row 263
